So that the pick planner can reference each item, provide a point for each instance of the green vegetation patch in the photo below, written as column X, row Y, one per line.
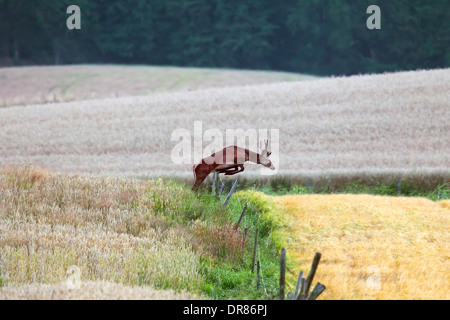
column 226, row 259
column 286, row 186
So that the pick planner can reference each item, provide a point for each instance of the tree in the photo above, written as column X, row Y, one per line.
column 307, row 36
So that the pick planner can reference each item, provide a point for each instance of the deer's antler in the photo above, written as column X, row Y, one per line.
column 266, row 144
column 265, row 148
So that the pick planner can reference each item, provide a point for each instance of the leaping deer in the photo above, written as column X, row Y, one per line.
column 230, row 161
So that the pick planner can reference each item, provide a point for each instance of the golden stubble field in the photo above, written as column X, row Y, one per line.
column 373, row 247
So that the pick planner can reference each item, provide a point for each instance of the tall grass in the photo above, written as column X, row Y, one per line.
column 154, row 233
column 108, row 227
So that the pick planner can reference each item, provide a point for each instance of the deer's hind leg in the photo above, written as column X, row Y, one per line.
column 200, row 174
column 235, row 170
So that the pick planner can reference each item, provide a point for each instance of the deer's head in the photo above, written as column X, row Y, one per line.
column 264, row 156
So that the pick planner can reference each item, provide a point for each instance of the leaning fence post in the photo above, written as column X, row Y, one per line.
column 207, row 184
column 302, row 288
column 302, row 293
column 216, row 186
column 213, row 189
column 399, row 190
column 229, row 194
column 254, row 251
column 282, row 272
column 221, row 187
column 318, row 289
column 298, row 286
column 240, row 218
column 311, row 274
column 309, row 184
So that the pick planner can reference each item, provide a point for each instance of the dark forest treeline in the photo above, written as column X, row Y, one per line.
column 307, row 36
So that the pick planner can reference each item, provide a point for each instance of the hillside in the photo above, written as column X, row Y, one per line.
column 49, row 84
column 368, row 126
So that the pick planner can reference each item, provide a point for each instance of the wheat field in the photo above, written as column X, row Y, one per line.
column 107, row 228
column 51, row 84
column 374, row 125
column 373, row 247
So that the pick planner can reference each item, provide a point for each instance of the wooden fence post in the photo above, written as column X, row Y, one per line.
column 311, row 274
column 399, row 189
column 221, row 187
column 302, row 293
column 298, row 286
column 240, row 218
column 254, row 250
column 213, row 189
column 244, row 238
column 282, row 272
column 233, row 188
column 258, row 267
column 309, row 184
column 216, row 188
column 318, row 289
column 207, row 184
column 302, row 288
